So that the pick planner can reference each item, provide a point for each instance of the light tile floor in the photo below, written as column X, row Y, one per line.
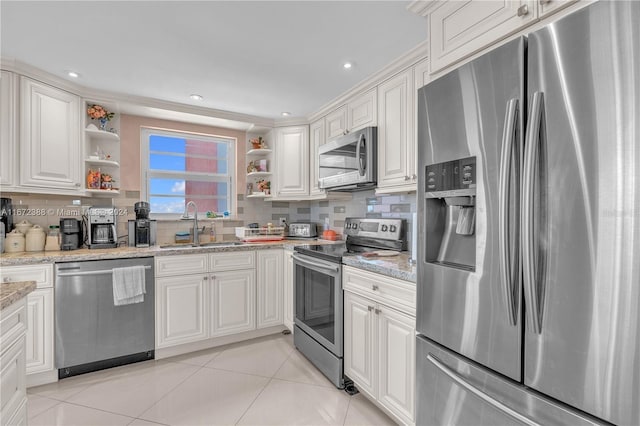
column 263, row 381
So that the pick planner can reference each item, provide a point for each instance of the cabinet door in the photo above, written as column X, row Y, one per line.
column 360, row 341
column 547, row 7
column 336, row 123
column 288, row 290
column 459, row 29
column 362, row 111
column 270, row 278
column 13, row 384
column 292, row 161
column 396, row 362
column 232, row 303
column 396, row 141
column 8, row 105
column 316, row 140
column 180, row 308
column 50, row 153
column 40, row 331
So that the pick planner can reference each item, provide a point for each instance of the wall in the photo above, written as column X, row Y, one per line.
column 130, row 126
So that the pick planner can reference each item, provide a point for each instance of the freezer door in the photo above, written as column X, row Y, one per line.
column 453, row 391
column 469, row 285
column 581, row 211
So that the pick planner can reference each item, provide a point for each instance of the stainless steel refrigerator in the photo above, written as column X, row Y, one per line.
column 529, row 229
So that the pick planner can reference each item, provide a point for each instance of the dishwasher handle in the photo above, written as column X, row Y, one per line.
column 85, row 273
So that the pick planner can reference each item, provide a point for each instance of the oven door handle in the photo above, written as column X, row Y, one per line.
column 317, row 265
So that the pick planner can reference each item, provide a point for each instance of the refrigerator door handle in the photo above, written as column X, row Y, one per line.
column 462, row 382
column 506, row 157
column 532, row 141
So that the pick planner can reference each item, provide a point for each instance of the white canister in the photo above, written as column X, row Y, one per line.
column 35, row 239
column 14, row 242
column 23, row 227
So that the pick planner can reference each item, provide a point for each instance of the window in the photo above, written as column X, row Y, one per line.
column 181, row 167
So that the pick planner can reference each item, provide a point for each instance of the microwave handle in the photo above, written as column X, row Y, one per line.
column 362, row 162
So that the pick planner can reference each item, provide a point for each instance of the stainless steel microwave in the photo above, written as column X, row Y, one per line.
column 349, row 163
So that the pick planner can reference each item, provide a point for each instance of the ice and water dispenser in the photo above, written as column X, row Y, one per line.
column 450, row 195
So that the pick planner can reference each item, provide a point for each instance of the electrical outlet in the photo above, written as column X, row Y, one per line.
column 282, row 221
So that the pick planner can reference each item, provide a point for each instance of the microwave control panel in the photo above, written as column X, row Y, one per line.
column 451, row 175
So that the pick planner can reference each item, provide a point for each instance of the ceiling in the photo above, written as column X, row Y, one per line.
column 251, row 57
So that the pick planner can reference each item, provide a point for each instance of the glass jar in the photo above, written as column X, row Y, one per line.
column 53, row 239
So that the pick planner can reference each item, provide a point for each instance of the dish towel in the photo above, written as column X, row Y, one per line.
column 128, row 285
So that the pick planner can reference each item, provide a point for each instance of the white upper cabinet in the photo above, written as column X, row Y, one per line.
column 336, row 122
column 362, row 111
column 292, row 162
column 396, row 134
column 458, row 29
column 316, row 140
column 50, row 152
column 359, row 113
column 8, row 146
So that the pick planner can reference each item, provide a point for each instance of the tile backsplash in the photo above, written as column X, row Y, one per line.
column 47, row 210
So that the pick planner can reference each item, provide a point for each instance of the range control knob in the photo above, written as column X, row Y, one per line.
column 393, row 228
column 384, row 228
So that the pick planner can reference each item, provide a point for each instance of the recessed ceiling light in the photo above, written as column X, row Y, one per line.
column 196, row 97
column 286, row 114
column 347, row 65
column 73, row 74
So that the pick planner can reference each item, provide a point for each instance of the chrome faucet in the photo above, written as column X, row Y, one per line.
column 185, row 216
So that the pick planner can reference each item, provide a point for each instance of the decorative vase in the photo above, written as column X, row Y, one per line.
column 103, row 124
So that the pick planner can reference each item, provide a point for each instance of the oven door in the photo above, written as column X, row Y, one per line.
column 318, row 300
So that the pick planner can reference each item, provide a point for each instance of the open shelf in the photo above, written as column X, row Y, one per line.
column 258, row 196
column 258, row 174
column 264, row 151
column 104, row 192
column 104, row 135
column 107, row 163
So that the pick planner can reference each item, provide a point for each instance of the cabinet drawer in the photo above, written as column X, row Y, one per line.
column 41, row 274
column 232, row 260
column 392, row 292
column 13, row 323
column 13, row 384
column 179, row 265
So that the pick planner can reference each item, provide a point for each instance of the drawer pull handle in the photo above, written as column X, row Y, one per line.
column 374, row 287
column 205, row 278
column 7, row 279
column 378, row 311
column 370, row 308
column 523, row 10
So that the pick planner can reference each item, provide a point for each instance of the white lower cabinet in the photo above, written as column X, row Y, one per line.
column 40, row 331
column 232, row 303
column 379, row 343
column 231, row 293
column 288, row 284
column 270, row 280
column 13, row 386
column 40, row 325
column 180, row 309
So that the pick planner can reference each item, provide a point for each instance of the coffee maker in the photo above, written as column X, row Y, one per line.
column 142, row 230
column 70, row 234
column 101, row 231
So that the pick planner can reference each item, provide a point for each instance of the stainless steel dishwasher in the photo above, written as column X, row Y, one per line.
column 91, row 332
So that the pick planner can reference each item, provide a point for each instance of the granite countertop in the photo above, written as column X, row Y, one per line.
column 12, row 292
column 30, row 258
column 392, row 266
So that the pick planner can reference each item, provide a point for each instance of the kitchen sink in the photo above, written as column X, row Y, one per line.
column 190, row 245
